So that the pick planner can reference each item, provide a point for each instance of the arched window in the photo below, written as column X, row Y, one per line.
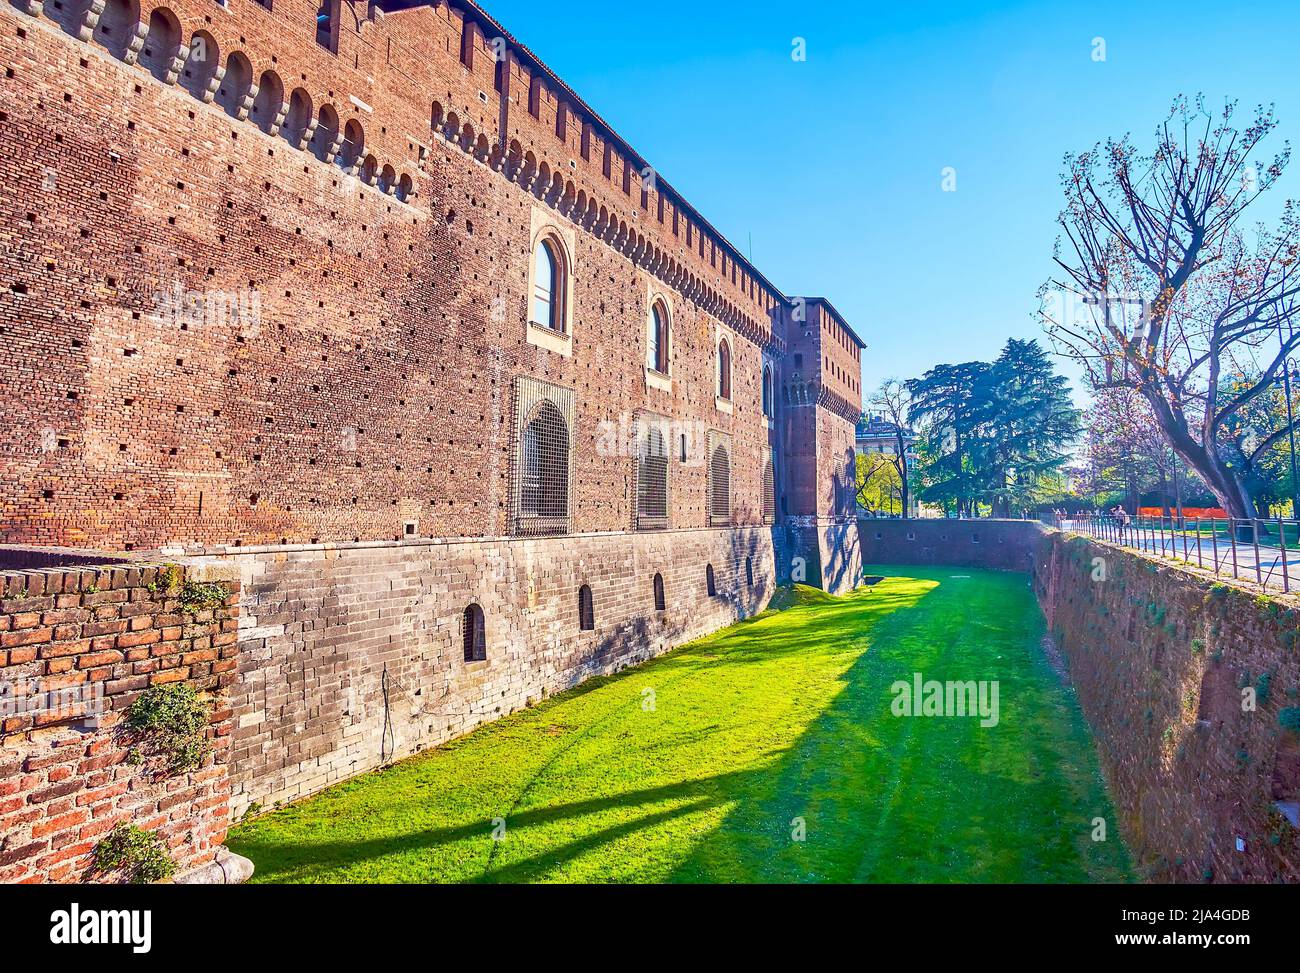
column 719, row 486
column 474, row 634
column 710, row 583
column 117, row 25
column 299, row 117
column 652, row 480
column 548, row 286
column 769, row 492
column 544, row 482
column 161, row 43
column 235, row 84
column 267, row 104
column 724, row 369
column 327, row 130
column 661, row 603
column 769, row 406
column 657, row 343
column 350, row 149
column 586, row 610
column 200, row 64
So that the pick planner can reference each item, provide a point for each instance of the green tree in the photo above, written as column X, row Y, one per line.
column 994, row 435
column 947, row 411
column 1031, row 424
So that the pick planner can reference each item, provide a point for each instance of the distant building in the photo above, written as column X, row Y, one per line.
column 876, row 434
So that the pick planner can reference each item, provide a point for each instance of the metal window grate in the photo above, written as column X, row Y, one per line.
column 543, row 458
column 474, row 633
column 719, row 479
column 586, row 609
column 769, row 491
column 651, row 474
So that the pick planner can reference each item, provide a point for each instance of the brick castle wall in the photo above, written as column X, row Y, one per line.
column 352, row 657
column 65, row 775
column 1160, row 658
column 1005, row 545
column 343, row 358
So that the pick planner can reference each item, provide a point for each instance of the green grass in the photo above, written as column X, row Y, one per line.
column 784, row 716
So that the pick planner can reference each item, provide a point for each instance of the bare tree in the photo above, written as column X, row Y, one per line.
column 1164, row 294
column 894, row 401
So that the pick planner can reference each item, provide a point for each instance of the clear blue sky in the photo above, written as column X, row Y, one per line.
column 833, row 165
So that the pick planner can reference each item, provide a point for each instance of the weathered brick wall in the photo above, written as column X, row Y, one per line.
column 65, row 774
column 372, row 386
column 352, row 656
column 1006, row 545
column 1159, row 658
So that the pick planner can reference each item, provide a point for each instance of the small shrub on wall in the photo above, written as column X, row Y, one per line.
column 173, row 721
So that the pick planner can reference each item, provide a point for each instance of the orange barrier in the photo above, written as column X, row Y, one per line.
column 1192, row 513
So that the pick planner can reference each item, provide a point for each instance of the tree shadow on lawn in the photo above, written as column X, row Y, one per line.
column 883, row 798
column 896, row 799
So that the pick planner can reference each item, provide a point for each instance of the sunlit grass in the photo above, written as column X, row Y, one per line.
column 783, row 717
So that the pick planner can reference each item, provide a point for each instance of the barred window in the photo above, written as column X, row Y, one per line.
column 661, row 603
column 724, row 369
column 769, row 407
column 657, row 339
column 474, row 633
column 652, row 479
column 710, row 582
column 769, row 492
column 719, row 485
column 541, row 458
column 586, row 609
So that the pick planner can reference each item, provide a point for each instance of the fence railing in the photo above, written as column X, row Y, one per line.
column 1266, row 552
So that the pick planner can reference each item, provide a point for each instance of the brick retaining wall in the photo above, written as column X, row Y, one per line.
column 997, row 544
column 352, row 656
column 1160, row 658
column 65, row 775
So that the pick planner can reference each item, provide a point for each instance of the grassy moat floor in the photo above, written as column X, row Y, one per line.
column 782, row 719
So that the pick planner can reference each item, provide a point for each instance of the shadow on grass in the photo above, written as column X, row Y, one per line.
column 882, row 799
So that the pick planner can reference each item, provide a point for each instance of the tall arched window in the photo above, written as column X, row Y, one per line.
column 720, row 486
column 474, row 633
column 724, row 369
column 544, row 476
column 548, row 286
column 661, row 603
column 161, row 43
column 769, row 492
column 769, row 406
column 652, row 480
column 586, row 609
column 710, row 582
column 657, row 343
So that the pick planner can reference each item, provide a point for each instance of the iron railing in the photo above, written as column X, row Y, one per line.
column 1266, row 552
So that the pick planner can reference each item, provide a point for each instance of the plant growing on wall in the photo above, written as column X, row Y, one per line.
column 194, row 596
column 137, row 854
column 174, row 721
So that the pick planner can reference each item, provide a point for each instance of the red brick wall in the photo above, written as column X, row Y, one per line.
column 1159, row 658
column 372, row 389
column 65, row 779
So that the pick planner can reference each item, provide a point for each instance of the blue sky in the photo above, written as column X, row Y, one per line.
column 833, row 166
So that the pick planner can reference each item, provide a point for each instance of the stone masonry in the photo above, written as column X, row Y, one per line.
column 266, row 305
